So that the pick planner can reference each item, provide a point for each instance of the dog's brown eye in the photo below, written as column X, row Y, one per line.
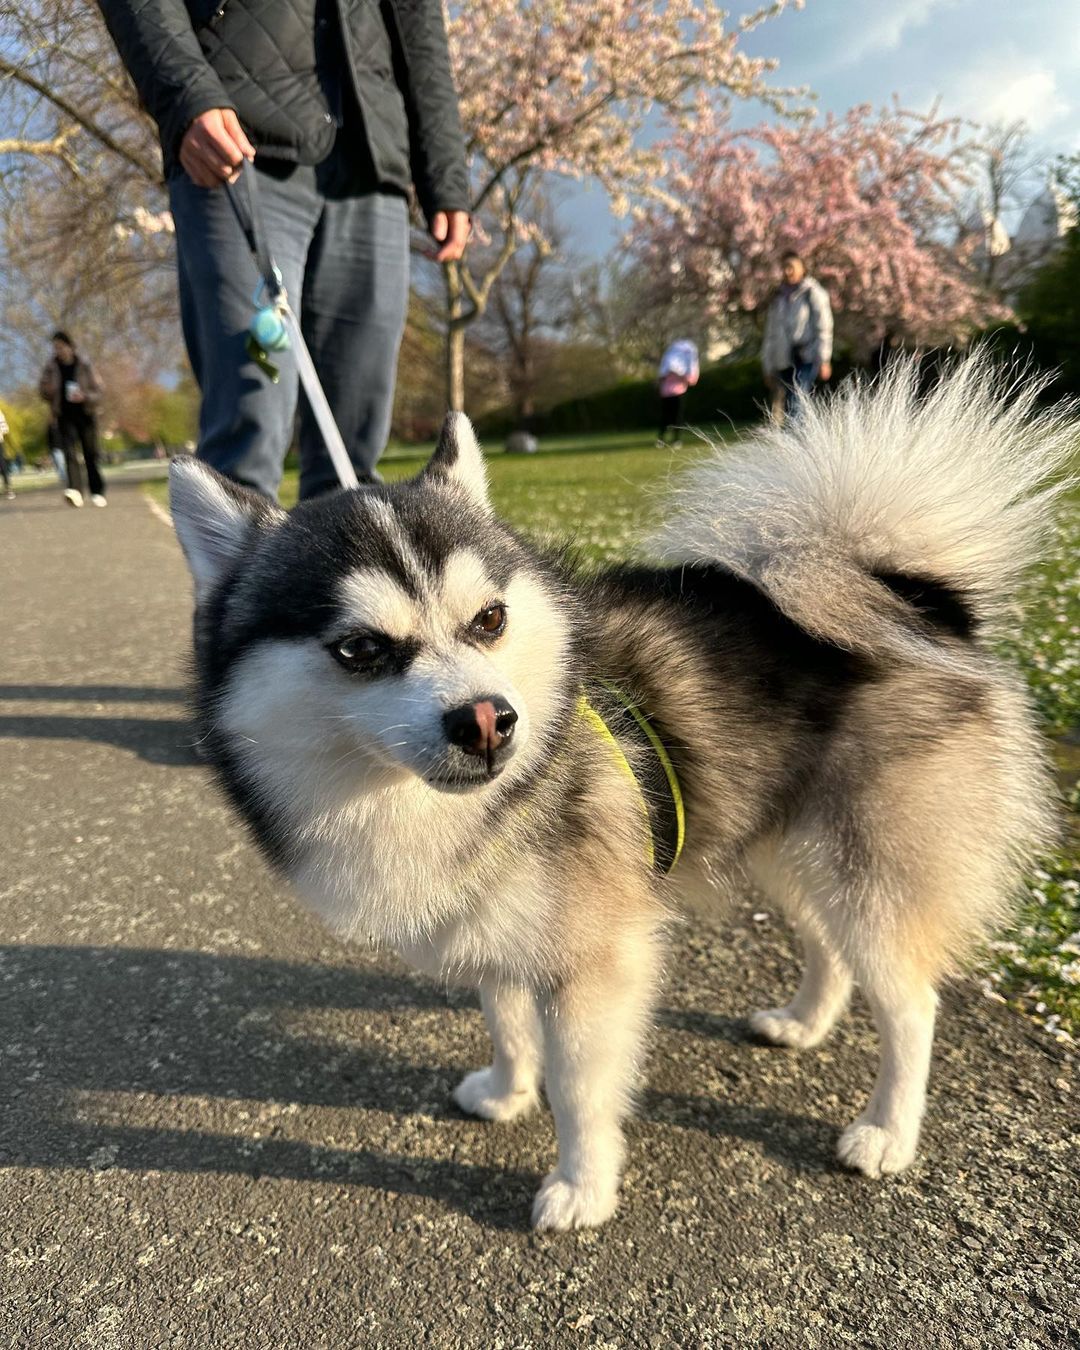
column 491, row 621
column 357, row 651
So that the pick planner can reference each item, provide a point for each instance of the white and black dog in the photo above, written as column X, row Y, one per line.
column 513, row 773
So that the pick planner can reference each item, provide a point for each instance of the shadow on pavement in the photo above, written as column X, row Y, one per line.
column 497, row 1196
column 116, row 1019
column 105, row 1020
column 151, row 1025
column 800, row 1143
column 91, row 693
column 735, row 1030
column 157, row 740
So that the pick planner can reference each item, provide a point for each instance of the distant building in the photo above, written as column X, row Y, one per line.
column 1044, row 224
column 991, row 239
column 1009, row 261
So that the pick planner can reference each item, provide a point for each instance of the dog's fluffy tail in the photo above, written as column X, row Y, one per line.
column 882, row 518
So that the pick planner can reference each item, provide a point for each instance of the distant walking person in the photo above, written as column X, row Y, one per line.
column 678, row 373
column 72, row 391
column 797, row 350
column 5, row 473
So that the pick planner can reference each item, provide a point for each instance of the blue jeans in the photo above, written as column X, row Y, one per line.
column 796, row 379
column 344, row 258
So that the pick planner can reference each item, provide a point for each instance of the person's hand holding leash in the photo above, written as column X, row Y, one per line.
column 826, row 370
column 451, row 229
column 214, row 148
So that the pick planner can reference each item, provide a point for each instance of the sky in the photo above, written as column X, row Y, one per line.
column 989, row 60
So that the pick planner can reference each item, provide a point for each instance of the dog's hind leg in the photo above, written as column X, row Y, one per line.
column 885, row 1137
column 510, row 1086
column 594, row 1033
column 852, row 931
column 826, row 983
column 821, row 998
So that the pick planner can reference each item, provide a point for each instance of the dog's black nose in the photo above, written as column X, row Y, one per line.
column 480, row 728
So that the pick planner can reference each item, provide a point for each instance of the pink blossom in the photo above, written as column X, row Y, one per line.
column 868, row 199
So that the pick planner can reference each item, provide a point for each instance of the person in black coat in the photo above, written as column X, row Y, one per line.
column 343, row 107
column 70, row 386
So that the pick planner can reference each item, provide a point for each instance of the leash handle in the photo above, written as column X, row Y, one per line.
column 251, row 226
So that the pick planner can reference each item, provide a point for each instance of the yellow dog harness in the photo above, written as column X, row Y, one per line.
column 656, row 780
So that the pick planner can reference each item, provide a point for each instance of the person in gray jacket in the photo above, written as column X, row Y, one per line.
column 797, row 348
column 341, row 107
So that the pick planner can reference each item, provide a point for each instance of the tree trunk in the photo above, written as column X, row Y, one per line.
column 455, row 339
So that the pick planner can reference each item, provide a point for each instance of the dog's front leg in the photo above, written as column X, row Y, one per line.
column 594, row 1032
column 510, row 1086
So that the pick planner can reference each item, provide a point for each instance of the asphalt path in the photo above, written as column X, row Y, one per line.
column 221, row 1127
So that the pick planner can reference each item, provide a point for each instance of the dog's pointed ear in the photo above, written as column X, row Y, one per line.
column 214, row 519
column 458, row 459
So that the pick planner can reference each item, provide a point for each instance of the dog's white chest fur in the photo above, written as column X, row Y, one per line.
column 394, row 867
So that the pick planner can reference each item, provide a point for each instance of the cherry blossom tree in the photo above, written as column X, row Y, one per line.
column 869, row 199
column 548, row 87
column 85, row 235
column 560, row 87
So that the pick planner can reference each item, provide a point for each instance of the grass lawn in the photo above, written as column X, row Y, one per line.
column 605, row 492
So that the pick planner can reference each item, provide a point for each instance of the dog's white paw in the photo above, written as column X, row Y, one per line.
column 478, row 1094
column 875, row 1150
column 561, row 1205
column 782, row 1027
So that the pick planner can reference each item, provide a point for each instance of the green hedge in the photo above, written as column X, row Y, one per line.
column 731, row 391
column 1046, row 348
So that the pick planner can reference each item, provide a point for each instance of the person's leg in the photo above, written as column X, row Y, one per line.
column 667, row 415
column 4, row 473
column 356, row 292
column 69, row 440
column 786, row 379
column 799, row 380
column 806, row 373
column 246, row 420
column 675, row 415
column 88, row 438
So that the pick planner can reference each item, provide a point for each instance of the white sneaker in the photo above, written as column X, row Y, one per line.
column 73, row 496
column 98, row 499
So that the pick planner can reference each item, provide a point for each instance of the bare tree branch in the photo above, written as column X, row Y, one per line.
column 54, row 148
column 149, row 168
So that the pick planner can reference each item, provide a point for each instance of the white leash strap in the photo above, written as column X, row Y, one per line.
column 339, row 456
column 255, row 234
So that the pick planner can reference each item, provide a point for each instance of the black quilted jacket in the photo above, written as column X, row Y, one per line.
column 258, row 57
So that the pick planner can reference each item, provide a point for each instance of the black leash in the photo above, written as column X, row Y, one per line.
column 251, row 226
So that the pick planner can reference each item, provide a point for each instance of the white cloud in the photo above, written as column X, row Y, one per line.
column 869, row 34
column 1009, row 90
